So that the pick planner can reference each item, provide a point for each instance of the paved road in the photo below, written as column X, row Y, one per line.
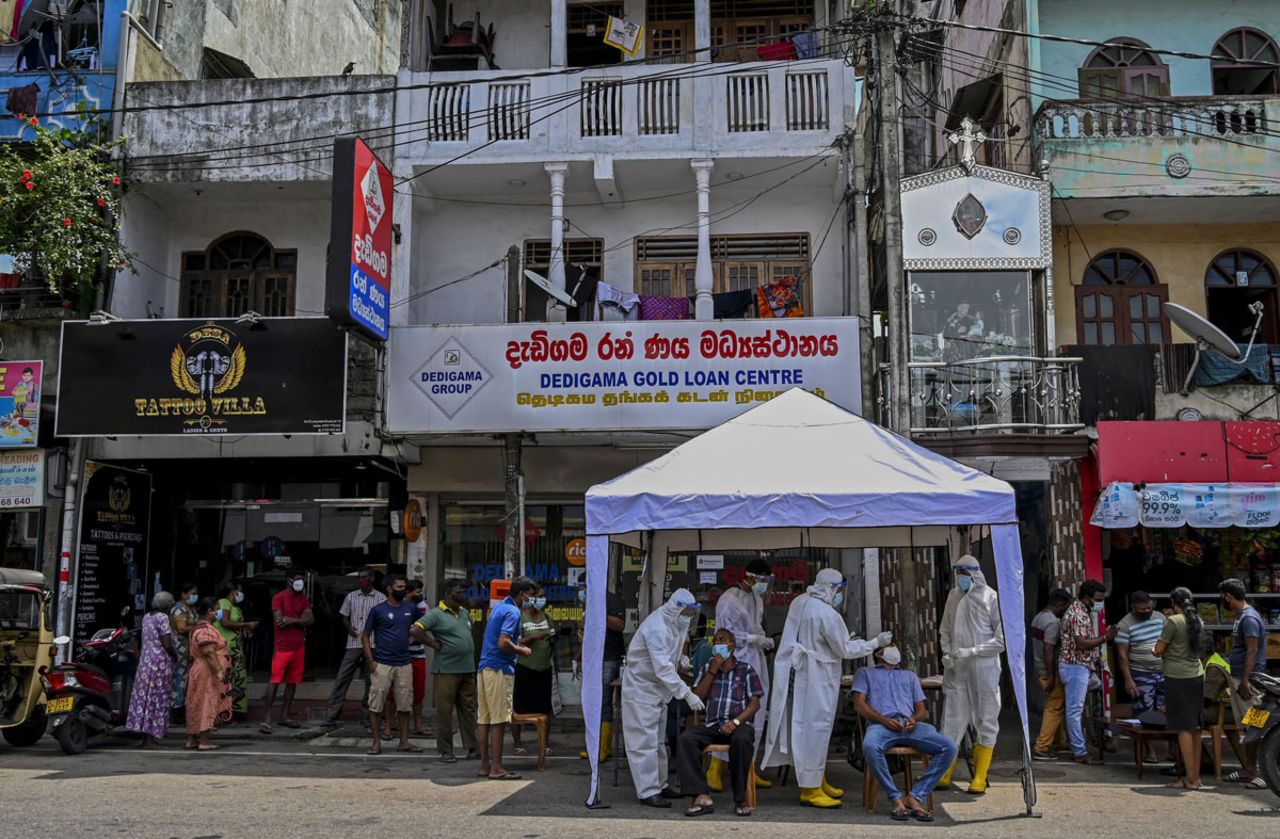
column 281, row 787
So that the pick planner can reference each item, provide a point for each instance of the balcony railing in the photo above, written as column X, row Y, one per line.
column 762, row 106
column 1083, row 119
column 1001, row 394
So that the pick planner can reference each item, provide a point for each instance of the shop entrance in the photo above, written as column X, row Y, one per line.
column 256, row 541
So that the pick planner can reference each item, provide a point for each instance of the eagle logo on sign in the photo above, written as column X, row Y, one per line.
column 212, row 362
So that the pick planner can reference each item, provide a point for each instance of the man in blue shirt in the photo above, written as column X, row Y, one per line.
column 495, row 681
column 1248, row 656
column 892, row 703
column 386, row 648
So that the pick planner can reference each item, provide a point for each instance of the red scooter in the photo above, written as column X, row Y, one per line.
column 90, row 696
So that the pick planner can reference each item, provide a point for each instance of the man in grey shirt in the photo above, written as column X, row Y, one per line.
column 1044, row 649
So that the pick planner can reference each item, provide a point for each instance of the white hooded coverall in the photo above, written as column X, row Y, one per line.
column 742, row 613
column 972, row 637
column 650, row 680
column 814, row 644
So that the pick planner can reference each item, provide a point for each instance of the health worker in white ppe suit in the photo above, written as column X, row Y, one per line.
column 972, row 638
column 741, row 611
column 806, row 685
column 650, row 680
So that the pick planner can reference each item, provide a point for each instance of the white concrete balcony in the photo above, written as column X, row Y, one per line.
column 761, row 109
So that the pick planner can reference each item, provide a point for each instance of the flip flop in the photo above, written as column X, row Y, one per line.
column 1236, row 778
column 291, row 723
column 520, row 750
column 448, row 758
column 510, row 776
column 700, row 810
column 922, row 815
column 1256, row 783
column 386, row 736
column 265, row 728
column 899, row 815
column 373, row 750
column 208, row 747
column 410, row 748
column 743, row 810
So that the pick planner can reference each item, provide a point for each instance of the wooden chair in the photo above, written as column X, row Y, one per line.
column 542, row 723
column 1222, row 730
column 751, row 771
column 871, row 787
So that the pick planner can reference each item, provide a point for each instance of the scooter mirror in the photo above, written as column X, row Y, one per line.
column 62, row 640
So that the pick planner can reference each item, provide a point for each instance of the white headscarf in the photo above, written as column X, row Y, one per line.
column 825, row 585
column 969, row 563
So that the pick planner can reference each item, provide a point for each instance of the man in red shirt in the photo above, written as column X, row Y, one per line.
column 291, row 610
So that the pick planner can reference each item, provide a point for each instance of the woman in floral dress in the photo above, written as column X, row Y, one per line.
column 152, row 698
column 183, row 617
column 236, row 631
column 208, row 678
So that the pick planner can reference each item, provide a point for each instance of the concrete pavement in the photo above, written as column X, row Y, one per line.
column 282, row 786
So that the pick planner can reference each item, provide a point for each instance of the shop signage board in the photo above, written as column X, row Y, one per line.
column 21, row 479
column 111, row 566
column 612, row 376
column 202, row 377
column 20, row 384
column 1122, row 505
column 360, row 234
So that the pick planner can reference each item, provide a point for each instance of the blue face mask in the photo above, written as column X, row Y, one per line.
column 839, row 601
column 217, row 615
column 760, row 589
column 193, row 600
column 537, row 603
column 964, row 582
column 721, row 650
column 582, row 595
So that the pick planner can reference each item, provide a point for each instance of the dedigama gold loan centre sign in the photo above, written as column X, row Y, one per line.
column 612, row 376
column 182, row 377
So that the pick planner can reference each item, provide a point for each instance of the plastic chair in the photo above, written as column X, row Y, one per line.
column 542, row 723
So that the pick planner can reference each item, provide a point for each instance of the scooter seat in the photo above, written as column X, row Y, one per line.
column 1265, row 682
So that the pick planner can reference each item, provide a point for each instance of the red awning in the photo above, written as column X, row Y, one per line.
column 1189, row 452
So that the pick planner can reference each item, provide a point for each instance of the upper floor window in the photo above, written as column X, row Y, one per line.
column 1244, row 64
column 586, row 254
column 1121, row 301
column 1234, row 281
column 666, row 266
column 238, row 273
column 1125, row 66
column 738, row 27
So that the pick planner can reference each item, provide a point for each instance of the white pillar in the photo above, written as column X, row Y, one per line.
column 555, row 275
column 703, row 308
column 702, row 29
column 559, row 33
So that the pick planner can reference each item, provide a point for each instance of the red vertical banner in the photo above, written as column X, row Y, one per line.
column 1092, row 536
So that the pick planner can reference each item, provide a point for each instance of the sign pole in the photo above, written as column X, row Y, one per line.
column 513, row 481
column 67, row 553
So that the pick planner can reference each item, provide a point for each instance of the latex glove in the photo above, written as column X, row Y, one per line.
column 766, row 643
column 947, row 661
column 577, row 671
column 685, row 663
column 884, row 639
column 964, row 652
column 695, row 704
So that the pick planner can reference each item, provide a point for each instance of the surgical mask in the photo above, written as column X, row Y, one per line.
column 538, row 603
column 964, row 582
column 582, row 596
column 839, row 601
column 298, row 584
column 891, row 655
column 193, row 600
column 682, row 623
column 217, row 615
column 721, row 650
column 760, row 589
column 364, row 583
column 239, row 596
column 1098, row 607
column 1143, row 616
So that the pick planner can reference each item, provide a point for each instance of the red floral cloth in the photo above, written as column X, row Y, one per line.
column 780, row 299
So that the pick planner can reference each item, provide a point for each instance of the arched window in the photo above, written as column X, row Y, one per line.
column 1244, row 64
column 1119, row 301
column 238, row 273
column 1125, row 66
column 1234, row 281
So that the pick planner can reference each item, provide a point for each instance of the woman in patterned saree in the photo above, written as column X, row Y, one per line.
column 183, row 617
column 152, row 698
column 235, row 631
column 208, row 677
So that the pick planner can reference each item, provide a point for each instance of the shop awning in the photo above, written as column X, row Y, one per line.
column 1125, row 504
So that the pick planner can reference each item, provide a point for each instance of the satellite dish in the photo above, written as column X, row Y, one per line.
column 544, row 284
column 1207, row 336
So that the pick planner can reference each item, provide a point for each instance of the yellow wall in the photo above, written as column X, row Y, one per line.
column 1179, row 253
column 150, row 64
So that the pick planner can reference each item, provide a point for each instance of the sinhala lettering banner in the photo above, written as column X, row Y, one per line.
column 638, row 376
column 203, row 377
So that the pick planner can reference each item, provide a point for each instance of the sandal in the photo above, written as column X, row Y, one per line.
column 1237, row 778
column 922, row 815
column 520, row 750
column 448, row 758
column 900, row 815
column 374, row 750
column 208, row 747
column 1256, row 783
column 700, row 810
column 410, row 748
column 291, row 723
column 510, row 776
column 743, row 810
column 265, row 728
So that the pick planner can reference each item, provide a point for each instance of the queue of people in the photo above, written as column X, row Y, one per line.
column 1167, row 664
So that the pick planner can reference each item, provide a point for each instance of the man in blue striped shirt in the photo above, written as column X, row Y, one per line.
column 1141, row 673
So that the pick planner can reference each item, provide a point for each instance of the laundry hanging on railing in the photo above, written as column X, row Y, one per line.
column 1124, row 505
column 664, row 308
column 780, row 299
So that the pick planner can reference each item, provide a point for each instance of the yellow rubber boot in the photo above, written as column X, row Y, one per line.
column 763, row 782
column 945, row 781
column 830, row 791
column 981, row 763
column 606, row 742
column 815, row 797
column 715, row 775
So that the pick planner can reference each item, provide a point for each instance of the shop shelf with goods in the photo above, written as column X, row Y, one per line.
column 1211, row 612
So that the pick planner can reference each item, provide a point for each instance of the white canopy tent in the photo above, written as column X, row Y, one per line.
column 795, row 471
